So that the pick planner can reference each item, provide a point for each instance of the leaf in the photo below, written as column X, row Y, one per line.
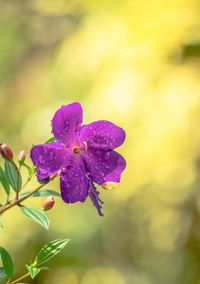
column 52, row 139
column 33, row 270
column 4, row 181
column 2, row 272
column 45, row 268
column 50, row 250
column 7, row 262
column 13, row 175
column 41, row 193
column 36, row 215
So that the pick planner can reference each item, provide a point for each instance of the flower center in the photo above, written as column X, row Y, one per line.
column 77, row 149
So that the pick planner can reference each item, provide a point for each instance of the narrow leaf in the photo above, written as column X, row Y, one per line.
column 36, row 215
column 13, row 175
column 41, row 193
column 52, row 139
column 45, row 268
column 2, row 272
column 50, row 250
column 7, row 262
column 33, row 270
column 4, row 181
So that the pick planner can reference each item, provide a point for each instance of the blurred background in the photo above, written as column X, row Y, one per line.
column 136, row 63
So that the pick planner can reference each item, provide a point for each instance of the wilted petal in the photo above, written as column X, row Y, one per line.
column 66, row 123
column 50, row 157
column 74, row 182
column 94, row 196
column 104, row 166
column 102, row 134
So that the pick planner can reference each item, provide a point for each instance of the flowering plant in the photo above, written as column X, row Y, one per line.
column 82, row 156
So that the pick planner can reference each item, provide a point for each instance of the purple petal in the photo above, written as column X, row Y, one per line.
column 94, row 196
column 43, row 175
column 102, row 134
column 104, row 166
column 74, row 182
column 66, row 123
column 50, row 157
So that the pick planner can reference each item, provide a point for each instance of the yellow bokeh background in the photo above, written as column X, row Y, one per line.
column 137, row 64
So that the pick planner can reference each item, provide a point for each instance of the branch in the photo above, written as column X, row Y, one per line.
column 20, row 200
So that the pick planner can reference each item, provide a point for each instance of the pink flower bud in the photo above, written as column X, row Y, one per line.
column 6, row 152
column 22, row 156
column 48, row 203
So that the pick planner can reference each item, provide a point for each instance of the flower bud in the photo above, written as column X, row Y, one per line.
column 48, row 203
column 6, row 152
column 22, row 156
column 109, row 185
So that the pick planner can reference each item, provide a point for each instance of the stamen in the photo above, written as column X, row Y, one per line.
column 76, row 150
column 85, row 146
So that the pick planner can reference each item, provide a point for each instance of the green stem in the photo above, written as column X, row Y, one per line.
column 25, row 184
column 20, row 200
column 20, row 278
column 17, row 189
column 29, row 178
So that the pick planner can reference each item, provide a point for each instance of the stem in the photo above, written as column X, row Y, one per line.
column 25, row 184
column 20, row 278
column 29, row 178
column 17, row 189
column 18, row 201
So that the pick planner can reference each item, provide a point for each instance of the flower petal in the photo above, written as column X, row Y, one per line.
column 104, row 166
column 74, row 182
column 43, row 175
column 50, row 157
column 66, row 122
column 94, row 196
column 102, row 134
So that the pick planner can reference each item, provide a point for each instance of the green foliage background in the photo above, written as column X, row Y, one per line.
column 136, row 63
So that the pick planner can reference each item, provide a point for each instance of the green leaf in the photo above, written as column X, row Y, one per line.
column 41, row 193
column 2, row 272
column 36, row 215
column 50, row 250
column 33, row 270
column 13, row 175
column 52, row 139
column 7, row 262
column 4, row 181
column 45, row 268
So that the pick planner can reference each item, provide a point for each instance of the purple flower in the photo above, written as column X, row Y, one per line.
column 81, row 154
